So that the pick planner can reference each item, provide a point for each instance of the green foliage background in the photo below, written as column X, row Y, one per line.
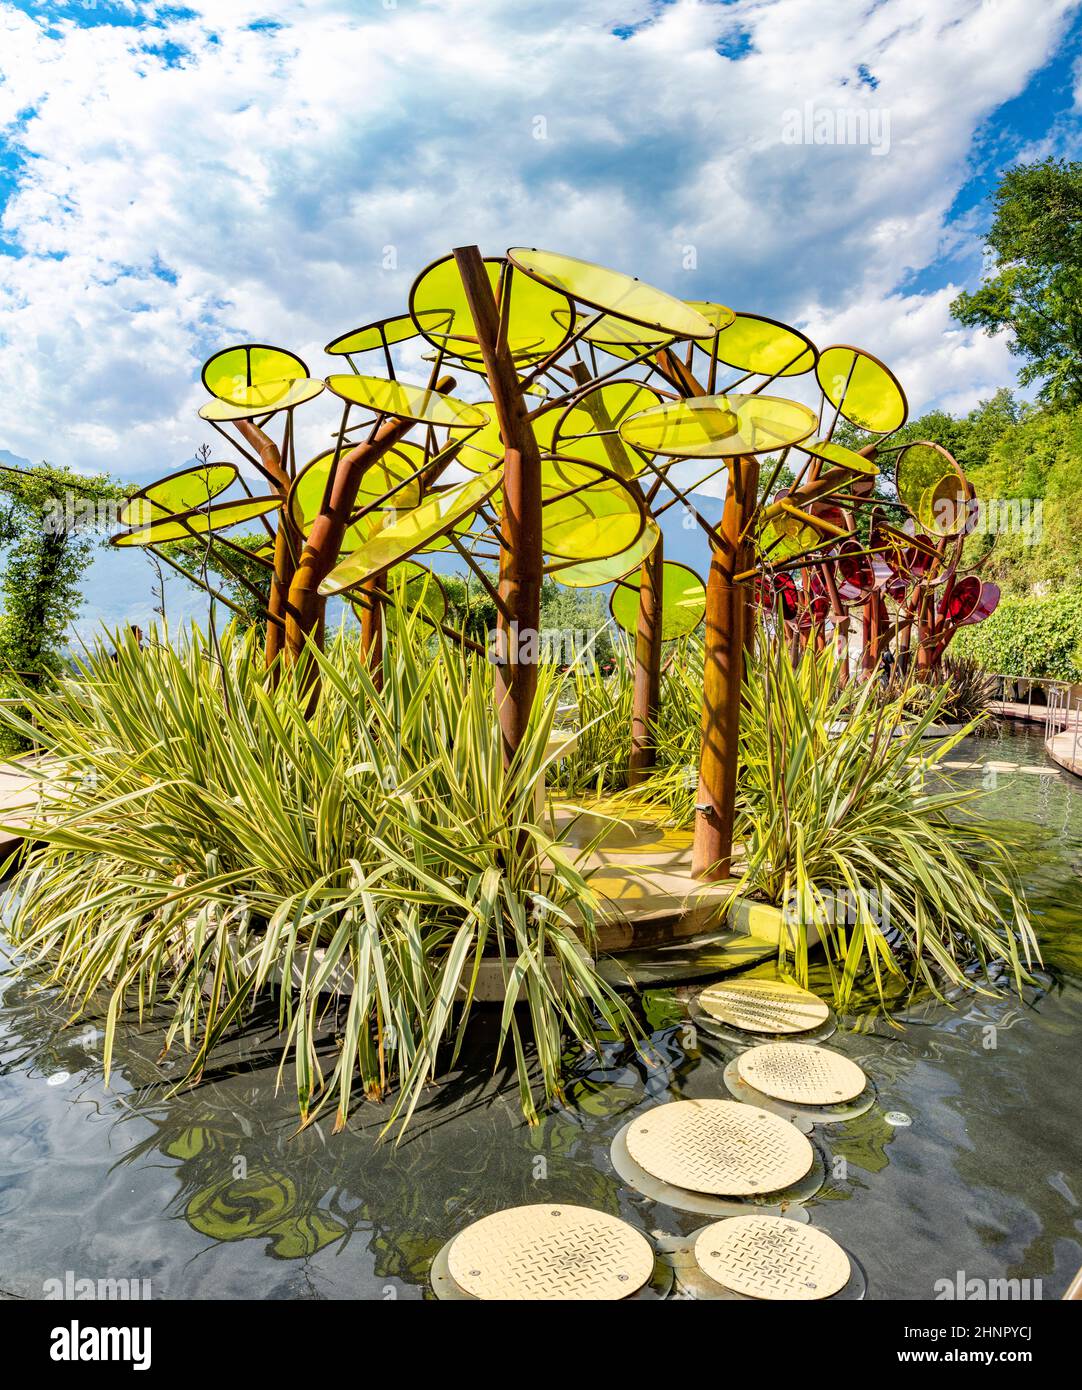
column 41, row 571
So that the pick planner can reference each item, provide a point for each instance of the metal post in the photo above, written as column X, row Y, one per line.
column 519, row 616
column 723, row 672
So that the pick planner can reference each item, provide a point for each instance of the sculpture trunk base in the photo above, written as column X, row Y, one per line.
column 521, row 564
column 723, row 676
column 372, row 627
column 647, row 692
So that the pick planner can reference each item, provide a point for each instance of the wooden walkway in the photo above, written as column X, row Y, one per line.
column 1065, row 749
column 18, row 798
column 1063, row 730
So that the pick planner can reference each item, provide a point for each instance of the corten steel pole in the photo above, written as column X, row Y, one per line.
column 287, row 542
column 521, row 562
column 372, row 626
column 323, row 546
column 646, row 695
column 840, row 615
column 723, row 673
column 873, row 624
column 647, row 692
column 924, row 635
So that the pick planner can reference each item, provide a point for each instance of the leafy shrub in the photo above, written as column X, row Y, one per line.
column 964, row 690
column 1029, row 637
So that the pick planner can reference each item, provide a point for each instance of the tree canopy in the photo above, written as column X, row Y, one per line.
column 1033, row 286
column 50, row 524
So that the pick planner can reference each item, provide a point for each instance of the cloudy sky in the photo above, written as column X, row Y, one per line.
column 175, row 178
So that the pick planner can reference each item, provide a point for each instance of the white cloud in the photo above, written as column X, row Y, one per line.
column 250, row 190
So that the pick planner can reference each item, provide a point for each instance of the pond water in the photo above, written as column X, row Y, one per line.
column 212, row 1194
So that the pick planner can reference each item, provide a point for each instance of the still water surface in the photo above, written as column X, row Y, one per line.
column 211, row 1194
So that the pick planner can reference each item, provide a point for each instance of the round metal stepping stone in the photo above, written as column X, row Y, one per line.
column 742, row 1038
column 550, row 1252
column 764, row 1006
column 805, row 1117
column 801, row 1073
column 770, row 1257
column 446, row 1290
column 719, row 1147
column 787, row 1201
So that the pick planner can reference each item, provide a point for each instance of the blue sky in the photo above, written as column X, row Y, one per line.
column 174, row 178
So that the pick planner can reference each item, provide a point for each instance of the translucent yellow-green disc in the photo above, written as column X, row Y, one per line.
column 919, row 467
column 373, row 336
column 718, row 316
column 216, row 518
column 584, row 520
column 866, row 392
column 609, row 332
column 306, row 495
column 273, row 395
column 719, row 426
column 416, row 589
column 683, row 602
column 628, row 352
column 752, row 343
column 251, row 374
column 462, row 527
column 412, row 530
column 538, row 317
column 389, row 472
column 611, row 291
column 838, row 454
column 406, row 401
column 785, row 537
column 589, row 574
column 943, row 507
column 484, row 449
column 180, row 492
column 589, row 429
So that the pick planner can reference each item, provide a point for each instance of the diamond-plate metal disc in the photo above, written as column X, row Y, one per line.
column 805, row 1117
column 770, row 1257
column 549, row 1252
column 801, row 1073
column 719, row 1146
column 785, row 1201
column 764, row 1006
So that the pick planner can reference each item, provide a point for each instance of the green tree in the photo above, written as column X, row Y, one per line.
column 50, row 524
column 51, row 521
column 1034, row 284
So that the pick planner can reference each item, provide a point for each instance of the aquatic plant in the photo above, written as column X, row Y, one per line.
column 206, row 836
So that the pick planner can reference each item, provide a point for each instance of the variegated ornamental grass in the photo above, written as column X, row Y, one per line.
column 850, row 822
column 208, row 841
